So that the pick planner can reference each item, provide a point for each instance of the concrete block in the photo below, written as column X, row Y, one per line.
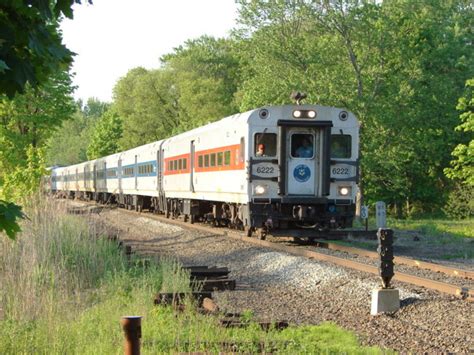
column 385, row 300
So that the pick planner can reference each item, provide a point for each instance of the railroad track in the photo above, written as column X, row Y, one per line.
column 446, row 288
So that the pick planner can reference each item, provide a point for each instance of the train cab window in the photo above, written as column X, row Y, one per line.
column 265, row 145
column 227, row 157
column 206, row 160
column 341, row 146
column 302, row 145
column 200, row 161
column 220, row 156
column 213, row 159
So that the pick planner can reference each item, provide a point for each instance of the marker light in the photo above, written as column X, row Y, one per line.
column 304, row 114
column 297, row 114
column 260, row 189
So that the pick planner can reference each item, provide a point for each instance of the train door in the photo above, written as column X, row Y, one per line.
column 303, row 159
column 135, row 171
column 191, row 167
column 94, row 178
column 119, row 175
column 160, row 155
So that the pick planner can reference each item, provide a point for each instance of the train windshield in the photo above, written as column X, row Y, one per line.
column 302, row 145
column 265, row 144
column 341, row 146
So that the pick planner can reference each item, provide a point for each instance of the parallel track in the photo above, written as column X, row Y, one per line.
column 399, row 260
column 446, row 288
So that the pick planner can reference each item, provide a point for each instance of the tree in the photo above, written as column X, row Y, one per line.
column 147, row 102
column 68, row 145
column 206, row 74
column 106, row 135
column 30, row 52
column 463, row 163
column 31, row 49
column 26, row 124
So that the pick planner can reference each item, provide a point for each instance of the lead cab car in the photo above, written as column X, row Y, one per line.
column 303, row 167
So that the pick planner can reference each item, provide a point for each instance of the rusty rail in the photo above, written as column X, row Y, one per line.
column 399, row 260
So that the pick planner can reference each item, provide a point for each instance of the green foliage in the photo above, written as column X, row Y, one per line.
column 26, row 124
column 25, row 179
column 205, row 72
column 10, row 214
column 31, row 49
column 68, row 145
column 106, row 136
column 31, row 54
column 463, row 164
column 146, row 100
column 460, row 204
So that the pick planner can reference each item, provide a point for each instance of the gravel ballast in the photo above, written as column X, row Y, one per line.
column 279, row 286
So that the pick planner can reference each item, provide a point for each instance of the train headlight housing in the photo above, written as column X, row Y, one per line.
column 260, row 189
column 344, row 190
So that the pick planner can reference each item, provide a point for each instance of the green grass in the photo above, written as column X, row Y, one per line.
column 437, row 227
column 64, row 290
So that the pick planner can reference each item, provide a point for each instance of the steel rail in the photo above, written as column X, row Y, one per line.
column 442, row 287
column 399, row 260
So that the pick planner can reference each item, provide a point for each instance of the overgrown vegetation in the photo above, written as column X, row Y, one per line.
column 65, row 288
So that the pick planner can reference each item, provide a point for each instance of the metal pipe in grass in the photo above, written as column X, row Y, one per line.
column 132, row 327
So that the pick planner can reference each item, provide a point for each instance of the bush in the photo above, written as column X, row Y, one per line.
column 460, row 204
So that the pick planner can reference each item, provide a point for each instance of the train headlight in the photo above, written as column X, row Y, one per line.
column 344, row 190
column 311, row 114
column 297, row 114
column 260, row 189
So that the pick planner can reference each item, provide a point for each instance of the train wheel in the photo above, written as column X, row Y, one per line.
column 192, row 219
column 248, row 231
column 261, row 233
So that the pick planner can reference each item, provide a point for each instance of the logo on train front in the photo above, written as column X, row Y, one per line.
column 302, row 173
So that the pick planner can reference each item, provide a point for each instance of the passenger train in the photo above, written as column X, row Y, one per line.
column 275, row 167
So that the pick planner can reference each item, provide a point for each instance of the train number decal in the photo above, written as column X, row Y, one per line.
column 265, row 170
column 341, row 171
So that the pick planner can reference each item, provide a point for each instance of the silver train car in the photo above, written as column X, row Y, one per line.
column 275, row 167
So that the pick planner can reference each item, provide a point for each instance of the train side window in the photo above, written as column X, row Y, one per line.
column 185, row 163
column 302, row 145
column 219, row 158
column 341, row 146
column 180, row 164
column 206, row 160
column 227, row 157
column 200, row 162
column 265, row 145
column 170, row 165
column 213, row 159
column 175, row 165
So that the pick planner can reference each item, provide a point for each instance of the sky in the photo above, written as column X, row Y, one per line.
column 111, row 37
